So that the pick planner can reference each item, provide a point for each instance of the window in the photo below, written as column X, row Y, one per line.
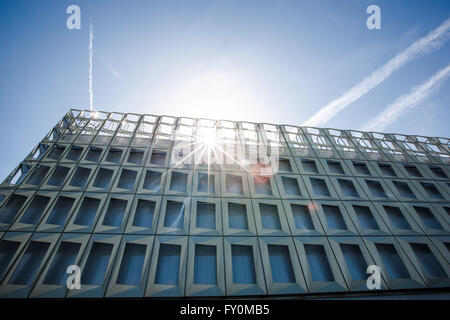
column 438, row 172
column 114, row 155
column 60, row 211
column 56, row 152
column 74, row 153
column 206, row 182
column 431, row 190
column 115, row 213
column 290, row 186
column 387, row 169
column 284, row 165
column 269, row 216
column 361, row 168
column 404, row 190
column 206, row 215
column 262, row 185
column 145, row 211
column 103, row 178
column 334, row 217
column 12, row 208
column 335, row 167
column 302, row 217
column 7, row 251
column 354, row 260
column 158, row 158
column 79, row 179
column 174, row 214
column 58, row 176
column 413, row 171
column 168, row 264
column 87, row 211
column 237, row 216
column 318, row 263
column 38, row 175
column 428, row 218
column 280, row 263
column 348, row 188
column 30, row 263
column 152, row 181
column 234, row 184
column 398, row 219
column 136, row 156
column 320, row 187
column 35, row 210
column 94, row 154
column 205, row 264
column 64, row 257
column 309, row 166
column 429, row 263
column 178, row 181
column 366, row 218
column 376, row 188
column 132, row 264
column 94, row 271
column 392, row 261
column 243, row 264
column 127, row 179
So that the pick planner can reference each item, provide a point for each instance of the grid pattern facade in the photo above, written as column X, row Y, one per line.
column 99, row 191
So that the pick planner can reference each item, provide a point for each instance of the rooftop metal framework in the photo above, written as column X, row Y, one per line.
column 114, row 194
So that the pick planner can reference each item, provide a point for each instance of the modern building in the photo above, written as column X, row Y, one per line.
column 159, row 206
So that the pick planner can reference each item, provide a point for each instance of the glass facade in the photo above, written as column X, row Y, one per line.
column 115, row 195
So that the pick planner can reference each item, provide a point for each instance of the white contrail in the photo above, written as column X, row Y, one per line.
column 91, row 38
column 406, row 102
column 426, row 44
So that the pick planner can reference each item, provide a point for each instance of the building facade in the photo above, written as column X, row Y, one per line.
column 158, row 206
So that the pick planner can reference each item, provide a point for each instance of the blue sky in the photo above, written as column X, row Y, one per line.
column 262, row 61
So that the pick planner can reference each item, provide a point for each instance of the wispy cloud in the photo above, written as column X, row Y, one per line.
column 406, row 102
column 112, row 69
column 426, row 44
column 91, row 52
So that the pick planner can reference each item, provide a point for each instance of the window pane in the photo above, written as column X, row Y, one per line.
column 58, row 176
column 29, row 264
column 243, row 264
column 430, row 264
column 132, row 264
column 348, row 188
column 179, row 181
column 318, row 263
column 38, row 175
column 115, row 213
column 309, row 166
column 87, row 211
column 168, row 264
column 145, row 211
column 35, row 210
column 206, row 215
column 60, row 211
column 237, row 216
column 7, row 251
column 302, row 217
column 80, row 177
column 96, row 265
column 355, row 261
column 12, row 208
column 403, row 189
column 103, row 178
column 152, row 181
column 174, row 215
column 65, row 256
column 392, row 261
column 334, row 217
column 127, row 179
column 428, row 218
column 335, row 167
column 397, row 218
column 290, row 186
column 206, row 182
column 234, row 184
column 366, row 218
column 205, row 264
column 262, row 185
column 280, row 263
column 269, row 216
column 320, row 187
